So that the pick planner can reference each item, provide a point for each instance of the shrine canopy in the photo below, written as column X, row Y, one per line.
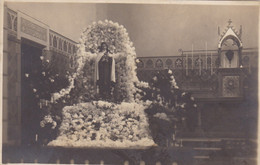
column 231, row 33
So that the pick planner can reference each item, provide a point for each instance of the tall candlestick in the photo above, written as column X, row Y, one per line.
column 206, row 62
column 200, row 63
column 192, row 56
column 211, row 69
column 186, row 64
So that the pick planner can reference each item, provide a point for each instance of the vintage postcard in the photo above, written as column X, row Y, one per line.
column 129, row 82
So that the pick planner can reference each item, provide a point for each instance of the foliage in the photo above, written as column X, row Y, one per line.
column 170, row 108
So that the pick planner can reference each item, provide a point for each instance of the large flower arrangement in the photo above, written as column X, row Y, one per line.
column 104, row 124
column 122, row 50
column 98, row 123
column 124, row 122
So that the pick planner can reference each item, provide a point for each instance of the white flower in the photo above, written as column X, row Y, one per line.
column 183, row 105
column 155, row 78
column 43, row 73
column 26, row 75
column 137, row 60
column 34, row 90
column 195, row 105
column 170, row 71
column 41, row 57
column 47, row 61
column 192, row 98
column 42, row 124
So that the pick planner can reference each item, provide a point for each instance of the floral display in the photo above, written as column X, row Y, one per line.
column 162, row 116
column 89, row 121
column 122, row 50
column 139, row 114
column 48, row 120
column 104, row 124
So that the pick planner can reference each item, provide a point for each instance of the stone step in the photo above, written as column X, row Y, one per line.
column 223, row 161
column 211, row 148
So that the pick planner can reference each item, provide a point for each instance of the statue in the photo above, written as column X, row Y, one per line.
column 105, row 72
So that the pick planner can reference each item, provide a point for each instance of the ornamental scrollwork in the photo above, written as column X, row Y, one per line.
column 231, row 86
column 198, row 62
column 178, row 63
column 159, row 63
column 33, row 29
column 168, row 62
column 149, row 63
column 12, row 20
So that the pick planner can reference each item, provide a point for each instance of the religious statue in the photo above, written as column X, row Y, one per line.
column 105, row 72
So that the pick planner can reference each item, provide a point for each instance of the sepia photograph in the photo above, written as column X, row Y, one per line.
column 129, row 83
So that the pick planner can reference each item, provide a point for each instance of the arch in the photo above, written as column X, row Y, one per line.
column 69, row 49
column 159, row 63
column 140, row 64
column 55, row 44
column 149, row 63
column 168, row 62
column 60, row 44
column 65, row 46
column 74, row 49
column 50, row 40
column 232, row 37
column 230, row 34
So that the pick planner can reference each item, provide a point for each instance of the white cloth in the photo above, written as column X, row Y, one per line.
column 113, row 74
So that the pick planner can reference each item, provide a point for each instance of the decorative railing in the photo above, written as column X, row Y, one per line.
column 197, row 60
column 59, row 43
column 198, row 71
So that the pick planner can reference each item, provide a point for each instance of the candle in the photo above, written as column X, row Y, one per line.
column 200, row 64
column 211, row 69
column 186, row 64
column 206, row 62
column 192, row 56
